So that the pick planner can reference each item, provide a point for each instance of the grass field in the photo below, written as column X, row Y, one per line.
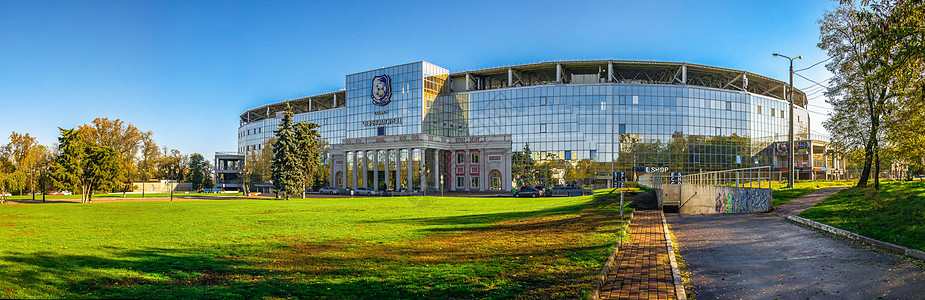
column 403, row 247
column 783, row 195
column 895, row 214
column 119, row 196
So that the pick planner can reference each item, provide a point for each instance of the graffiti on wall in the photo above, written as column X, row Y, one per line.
column 743, row 200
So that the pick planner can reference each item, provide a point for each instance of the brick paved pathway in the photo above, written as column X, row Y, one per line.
column 798, row 205
column 642, row 269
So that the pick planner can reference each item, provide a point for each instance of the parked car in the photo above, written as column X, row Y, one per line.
column 6, row 195
column 327, row 190
column 544, row 191
column 59, row 193
column 365, row 192
column 527, row 191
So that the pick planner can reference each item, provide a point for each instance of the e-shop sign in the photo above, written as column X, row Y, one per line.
column 650, row 169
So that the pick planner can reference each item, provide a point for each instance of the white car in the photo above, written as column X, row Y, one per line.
column 365, row 192
column 327, row 190
column 7, row 195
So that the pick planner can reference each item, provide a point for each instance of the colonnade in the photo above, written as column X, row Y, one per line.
column 357, row 162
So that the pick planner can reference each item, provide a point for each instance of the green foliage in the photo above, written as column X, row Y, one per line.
column 85, row 166
column 523, row 167
column 383, row 248
column 894, row 214
column 200, row 171
column 287, row 167
column 878, row 51
column 310, row 151
column 10, row 182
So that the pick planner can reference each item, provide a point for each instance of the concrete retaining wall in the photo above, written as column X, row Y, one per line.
column 707, row 199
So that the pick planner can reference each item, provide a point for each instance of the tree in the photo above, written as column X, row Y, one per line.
column 149, row 155
column 523, row 166
column 287, row 164
column 877, row 54
column 10, row 182
column 114, row 134
column 24, row 152
column 200, row 171
column 899, row 34
column 257, row 163
column 310, row 148
column 84, row 165
column 172, row 165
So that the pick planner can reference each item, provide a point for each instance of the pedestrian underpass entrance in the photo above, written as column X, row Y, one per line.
column 746, row 190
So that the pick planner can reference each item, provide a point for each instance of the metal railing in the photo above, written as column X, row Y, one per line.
column 651, row 180
column 745, row 177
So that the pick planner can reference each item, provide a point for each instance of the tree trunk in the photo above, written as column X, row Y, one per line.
column 868, row 159
column 877, row 175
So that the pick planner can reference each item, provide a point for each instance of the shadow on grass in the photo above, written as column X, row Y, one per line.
column 551, row 253
column 478, row 220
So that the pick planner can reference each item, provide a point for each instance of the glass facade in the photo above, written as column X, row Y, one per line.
column 576, row 133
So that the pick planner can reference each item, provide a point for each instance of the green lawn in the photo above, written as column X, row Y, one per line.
column 119, row 196
column 403, row 247
column 783, row 195
column 896, row 214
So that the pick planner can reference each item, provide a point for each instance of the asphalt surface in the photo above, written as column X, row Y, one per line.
column 762, row 256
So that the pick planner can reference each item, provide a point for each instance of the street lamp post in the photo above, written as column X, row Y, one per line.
column 790, row 134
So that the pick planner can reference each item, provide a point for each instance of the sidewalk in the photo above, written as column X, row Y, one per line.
column 642, row 269
column 798, row 205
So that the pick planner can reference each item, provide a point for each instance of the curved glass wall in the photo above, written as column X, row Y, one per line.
column 578, row 134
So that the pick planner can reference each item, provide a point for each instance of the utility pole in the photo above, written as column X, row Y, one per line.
column 790, row 134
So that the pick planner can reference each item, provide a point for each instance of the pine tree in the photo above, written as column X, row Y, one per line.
column 286, row 168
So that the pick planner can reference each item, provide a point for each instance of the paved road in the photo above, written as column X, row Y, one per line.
column 762, row 256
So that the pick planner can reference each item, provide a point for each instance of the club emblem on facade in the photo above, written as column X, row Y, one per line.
column 381, row 90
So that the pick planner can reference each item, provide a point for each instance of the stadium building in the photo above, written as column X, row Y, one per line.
column 418, row 125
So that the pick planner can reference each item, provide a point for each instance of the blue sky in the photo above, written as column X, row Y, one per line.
column 188, row 69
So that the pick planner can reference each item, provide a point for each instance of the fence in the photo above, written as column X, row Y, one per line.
column 745, row 177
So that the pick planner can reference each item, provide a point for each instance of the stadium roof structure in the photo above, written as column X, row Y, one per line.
column 570, row 72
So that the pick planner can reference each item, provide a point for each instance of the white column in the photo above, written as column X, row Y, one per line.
column 510, row 77
column 683, row 74
column 437, row 174
column 467, row 164
column 451, row 170
column 423, row 166
column 507, row 176
column 610, row 71
column 410, row 168
column 558, row 73
column 354, row 171
column 468, row 83
column 483, row 174
column 387, row 162
column 375, row 170
column 397, row 169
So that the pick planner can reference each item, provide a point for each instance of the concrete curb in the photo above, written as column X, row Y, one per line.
column 913, row 253
column 675, row 271
column 596, row 294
